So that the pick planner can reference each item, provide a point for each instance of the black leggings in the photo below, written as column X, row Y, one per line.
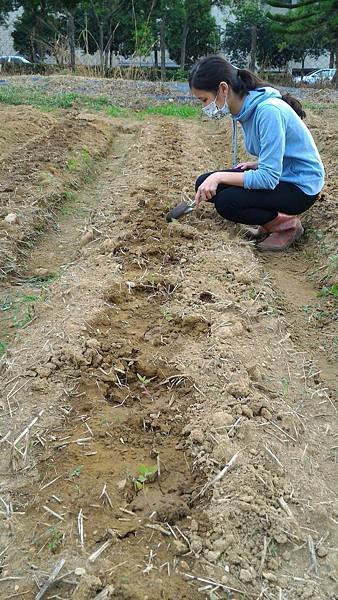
column 257, row 207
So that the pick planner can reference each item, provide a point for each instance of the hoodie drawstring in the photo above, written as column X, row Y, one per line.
column 234, row 143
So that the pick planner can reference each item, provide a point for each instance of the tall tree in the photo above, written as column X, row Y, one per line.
column 6, row 6
column 35, row 29
column 275, row 47
column 192, row 30
column 306, row 16
column 97, row 21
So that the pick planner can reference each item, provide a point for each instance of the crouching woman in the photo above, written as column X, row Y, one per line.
column 289, row 173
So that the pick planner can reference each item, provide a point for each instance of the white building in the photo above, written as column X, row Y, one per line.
column 6, row 40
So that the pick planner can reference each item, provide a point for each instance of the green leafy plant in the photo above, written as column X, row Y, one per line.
column 329, row 291
column 55, row 540
column 146, row 475
column 25, row 319
column 285, row 383
column 70, row 195
column 76, row 472
column 167, row 315
column 143, row 379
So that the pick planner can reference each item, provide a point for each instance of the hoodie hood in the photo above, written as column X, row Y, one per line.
column 250, row 103
column 253, row 99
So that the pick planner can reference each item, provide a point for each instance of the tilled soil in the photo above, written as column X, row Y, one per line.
column 165, row 404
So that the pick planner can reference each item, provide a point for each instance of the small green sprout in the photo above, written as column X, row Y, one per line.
column 143, row 379
column 146, row 475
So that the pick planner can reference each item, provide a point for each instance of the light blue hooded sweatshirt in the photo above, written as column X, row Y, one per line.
column 283, row 144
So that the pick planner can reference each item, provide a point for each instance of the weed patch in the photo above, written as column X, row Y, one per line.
column 18, row 95
column 183, row 111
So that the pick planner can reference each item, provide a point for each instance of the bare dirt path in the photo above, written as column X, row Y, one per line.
column 312, row 327
column 160, row 355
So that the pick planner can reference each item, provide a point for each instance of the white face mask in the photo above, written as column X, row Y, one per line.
column 213, row 112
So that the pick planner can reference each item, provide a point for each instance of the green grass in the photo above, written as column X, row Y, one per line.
column 329, row 291
column 81, row 159
column 3, row 348
column 183, row 111
column 18, row 95
column 319, row 106
column 18, row 311
column 39, row 98
column 116, row 111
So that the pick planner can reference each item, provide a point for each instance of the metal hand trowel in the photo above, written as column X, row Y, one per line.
column 183, row 208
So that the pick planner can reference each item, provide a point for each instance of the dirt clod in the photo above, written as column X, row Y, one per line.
column 322, row 551
column 11, row 218
column 246, row 575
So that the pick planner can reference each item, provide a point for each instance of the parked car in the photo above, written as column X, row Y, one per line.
column 319, row 76
column 14, row 60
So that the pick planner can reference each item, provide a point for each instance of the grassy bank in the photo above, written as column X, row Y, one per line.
column 20, row 95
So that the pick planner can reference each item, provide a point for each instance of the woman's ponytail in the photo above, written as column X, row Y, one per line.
column 295, row 104
column 249, row 80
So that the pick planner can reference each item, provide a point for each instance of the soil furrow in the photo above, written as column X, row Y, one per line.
column 161, row 354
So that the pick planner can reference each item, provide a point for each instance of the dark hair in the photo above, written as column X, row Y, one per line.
column 208, row 73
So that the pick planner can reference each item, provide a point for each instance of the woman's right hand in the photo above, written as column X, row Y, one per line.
column 246, row 166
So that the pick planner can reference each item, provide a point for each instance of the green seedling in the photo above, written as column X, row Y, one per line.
column 55, row 540
column 119, row 420
column 252, row 293
column 20, row 310
column 146, row 475
column 273, row 548
column 335, row 343
column 70, row 196
column 143, row 379
column 86, row 156
column 76, row 472
column 168, row 316
column 285, row 384
column 25, row 319
column 66, row 210
column 3, row 348
column 73, row 164
column 326, row 292
column 40, row 281
column 144, row 382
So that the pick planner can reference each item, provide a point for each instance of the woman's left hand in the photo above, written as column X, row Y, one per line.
column 208, row 188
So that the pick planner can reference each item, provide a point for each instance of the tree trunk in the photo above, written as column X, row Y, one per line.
column 101, row 49
column 155, row 56
column 331, row 60
column 162, row 49
column 303, row 63
column 86, row 35
column 184, row 43
column 71, row 40
column 253, row 49
column 335, row 79
column 31, row 39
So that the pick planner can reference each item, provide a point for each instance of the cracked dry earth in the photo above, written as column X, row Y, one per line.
column 164, row 429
